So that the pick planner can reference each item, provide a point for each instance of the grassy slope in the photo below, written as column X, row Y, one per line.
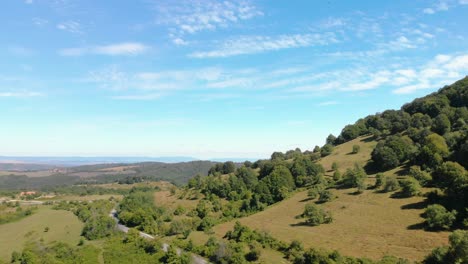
column 368, row 225
column 63, row 226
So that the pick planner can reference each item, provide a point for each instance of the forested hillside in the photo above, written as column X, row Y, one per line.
column 420, row 150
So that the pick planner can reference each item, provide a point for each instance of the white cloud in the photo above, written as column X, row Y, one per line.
column 20, row 94
column 188, row 17
column 129, row 48
column 70, row 26
column 28, row 2
column 463, row 2
column 195, row 16
column 327, row 103
column 429, row 11
column 126, row 48
column 441, row 5
column 39, row 21
column 140, row 97
column 259, row 44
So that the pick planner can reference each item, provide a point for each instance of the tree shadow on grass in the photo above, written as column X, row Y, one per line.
column 368, row 139
column 306, row 199
column 300, row 224
column 418, row 226
column 415, row 206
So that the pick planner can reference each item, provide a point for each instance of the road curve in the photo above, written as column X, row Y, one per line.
column 196, row 259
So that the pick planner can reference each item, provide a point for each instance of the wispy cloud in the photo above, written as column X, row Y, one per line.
column 70, row 26
column 138, row 97
column 259, row 44
column 40, row 21
column 126, row 48
column 190, row 17
column 20, row 94
column 327, row 103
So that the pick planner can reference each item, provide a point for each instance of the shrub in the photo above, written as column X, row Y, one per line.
column 356, row 149
column 325, row 196
column 423, row 177
column 437, row 217
column 337, row 176
column 410, row 187
column 379, row 180
column 334, row 166
column 315, row 215
column 456, row 252
column 391, row 184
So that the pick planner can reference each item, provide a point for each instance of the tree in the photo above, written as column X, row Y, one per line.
column 326, row 150
column 280, row 182
column 456, row 252
column 384, row 157
column 248, row 176
column 331, row 139
column 441, row 124
column 229, row 167
column 315, row 215
column 410, row 187
column 337, row 176
column 450, row 176
column 354, row 177
column 437, row 217
column 423, row 177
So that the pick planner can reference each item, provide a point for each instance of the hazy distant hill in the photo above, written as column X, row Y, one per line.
column 177, row 173
column 77, row 161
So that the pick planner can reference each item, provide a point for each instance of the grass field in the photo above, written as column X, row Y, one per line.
column 345, row 159
column 168, row 200
column 368, row 225
column 63, row 226
column 371, row 225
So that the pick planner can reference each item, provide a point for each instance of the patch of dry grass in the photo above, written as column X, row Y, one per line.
column 63, row 226
column 368, row 225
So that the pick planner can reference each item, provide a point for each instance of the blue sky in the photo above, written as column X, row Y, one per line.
column 214, row 79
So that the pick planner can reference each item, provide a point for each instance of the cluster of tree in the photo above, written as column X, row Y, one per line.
column 8, row 215
column 137, row 209
column 315, row 215
column 57, row 252
column 95, row 215
column 129, row 248
column 253, row 187
column 222, row 168
column 455, row 252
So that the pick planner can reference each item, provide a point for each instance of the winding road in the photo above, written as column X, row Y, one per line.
column 196, row 259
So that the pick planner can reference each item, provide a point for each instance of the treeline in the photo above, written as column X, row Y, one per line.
column 95, row 215
column 10, row 212
column 253, row 186
column 129, row 248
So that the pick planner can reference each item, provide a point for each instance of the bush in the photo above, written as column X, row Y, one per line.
column 315, row 215
column 326, row 150
column 325, row 196
column 356, row 149
column 423, row 177
column 437, row 217
column 391, row 184
column 337, row 176
column 410, row 187
column 379, row 180
column 456, row 252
